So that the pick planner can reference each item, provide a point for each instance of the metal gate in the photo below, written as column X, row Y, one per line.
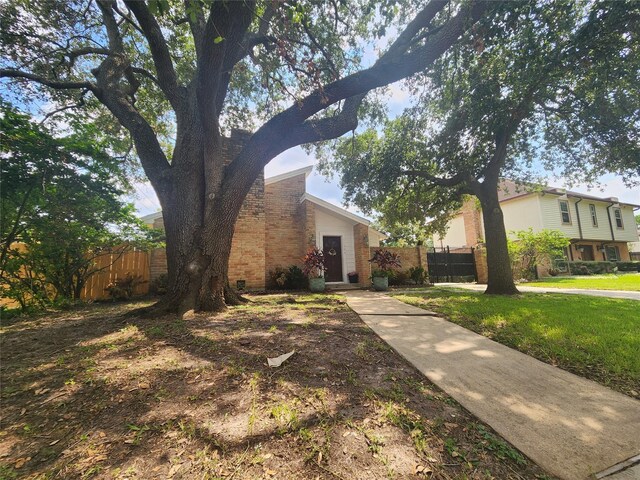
column 445, row 265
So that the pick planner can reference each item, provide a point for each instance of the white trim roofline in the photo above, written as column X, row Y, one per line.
column 335, row 209
column 293, row 173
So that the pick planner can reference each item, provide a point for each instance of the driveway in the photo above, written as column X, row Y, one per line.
column 576, row 291
column 570, row 426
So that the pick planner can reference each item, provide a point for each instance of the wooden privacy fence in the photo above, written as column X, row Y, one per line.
column 134, row 262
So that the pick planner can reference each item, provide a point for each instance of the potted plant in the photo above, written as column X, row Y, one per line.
column 313, row 268
column 353, row 277
column 385, row 261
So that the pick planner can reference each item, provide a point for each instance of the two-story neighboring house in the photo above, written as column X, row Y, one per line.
column 600, row 228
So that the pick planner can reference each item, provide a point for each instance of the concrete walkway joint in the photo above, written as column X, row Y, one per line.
column 570, row 426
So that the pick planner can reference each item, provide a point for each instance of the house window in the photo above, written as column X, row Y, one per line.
column 564, row 211
column 594, row 216
column 617, row 213
column 613, row 254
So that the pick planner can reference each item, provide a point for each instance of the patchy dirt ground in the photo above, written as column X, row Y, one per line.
column 94, row 394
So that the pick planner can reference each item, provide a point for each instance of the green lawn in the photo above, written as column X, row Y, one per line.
column 627, row 281
column 597, row 338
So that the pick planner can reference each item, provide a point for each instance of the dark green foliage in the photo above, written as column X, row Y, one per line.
column 590, row 268
column 295, row 278
column 292, row 278
column 61, row 208
column 159, row 285
column 628, row 266
column 418, row 275
column 123, row 288
column 398, row 277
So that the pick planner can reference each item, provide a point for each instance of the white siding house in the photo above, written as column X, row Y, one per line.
column 598, row 228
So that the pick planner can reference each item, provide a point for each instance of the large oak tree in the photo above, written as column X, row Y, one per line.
column 203, row 66
column 540, row 86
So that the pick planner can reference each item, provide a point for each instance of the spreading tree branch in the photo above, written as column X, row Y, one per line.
column 56, row 84
column 221, row 48
column 394, row 65
column 165, row 72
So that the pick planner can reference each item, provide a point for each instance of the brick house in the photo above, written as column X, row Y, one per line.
column 599, row 228
column 278, row 222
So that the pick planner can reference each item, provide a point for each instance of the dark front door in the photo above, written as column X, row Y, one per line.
column 332, row 249
column 587, row 253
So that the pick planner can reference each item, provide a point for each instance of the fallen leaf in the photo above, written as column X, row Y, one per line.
column 54, row 442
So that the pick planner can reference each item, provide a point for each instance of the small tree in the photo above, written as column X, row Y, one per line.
column 61, row 207
column 529, row 249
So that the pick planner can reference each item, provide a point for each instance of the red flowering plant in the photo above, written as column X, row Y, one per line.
column 313, row 263
column 385, row 261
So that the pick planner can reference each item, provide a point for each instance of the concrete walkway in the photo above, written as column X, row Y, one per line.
column 574, row 291
column 571, row 427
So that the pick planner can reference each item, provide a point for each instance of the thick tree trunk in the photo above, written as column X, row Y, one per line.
column 197, row 265
column 199, row 221
column 500, row 277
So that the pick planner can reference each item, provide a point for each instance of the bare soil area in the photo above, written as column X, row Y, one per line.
column 92, row 393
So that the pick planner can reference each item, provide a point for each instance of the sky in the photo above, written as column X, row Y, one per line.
column 328, row 189
column 146, row 201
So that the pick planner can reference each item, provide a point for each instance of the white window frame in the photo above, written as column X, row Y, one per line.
column 617, row 215
column 568, row 212
column 594, row 215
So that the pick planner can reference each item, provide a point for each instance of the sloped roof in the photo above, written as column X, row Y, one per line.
column 509, row 189
column 335, row 209
column 293, row 173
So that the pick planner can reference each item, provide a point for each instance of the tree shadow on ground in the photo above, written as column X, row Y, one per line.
column 108, row 395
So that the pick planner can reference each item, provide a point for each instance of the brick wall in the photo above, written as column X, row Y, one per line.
column 409, row 256
column 362, row 252
column 288, row 223
column 157, row 263
column 471, row 215
column 308, row 213
column 480, row 255
column 247, row 260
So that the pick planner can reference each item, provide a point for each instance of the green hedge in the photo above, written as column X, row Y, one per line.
column 590, row 268
column 628, row 266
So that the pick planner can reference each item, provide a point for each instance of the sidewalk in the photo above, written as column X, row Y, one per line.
column 571, row 427
column 573, row 291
